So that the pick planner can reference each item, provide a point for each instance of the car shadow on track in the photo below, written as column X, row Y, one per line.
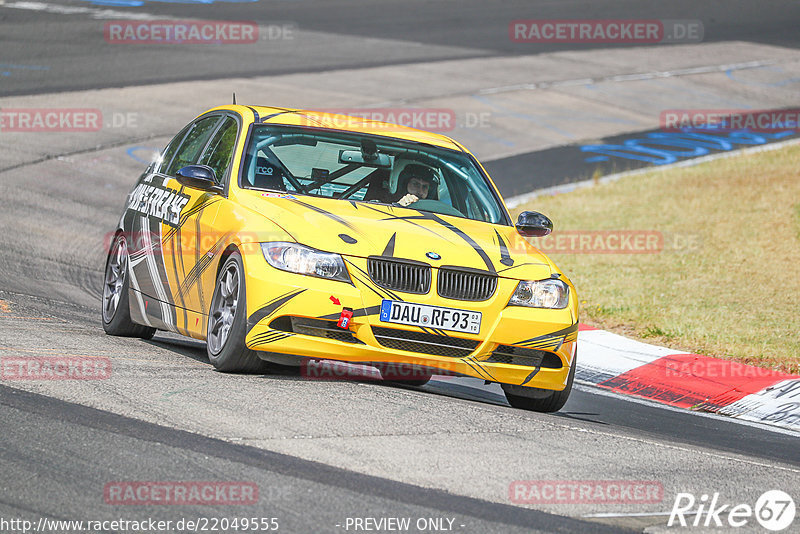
column 463, row 388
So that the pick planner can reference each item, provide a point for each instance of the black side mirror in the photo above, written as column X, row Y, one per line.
column 200, row 177
column 533, row 224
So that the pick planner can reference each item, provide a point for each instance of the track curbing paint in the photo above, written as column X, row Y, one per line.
column 685, row 380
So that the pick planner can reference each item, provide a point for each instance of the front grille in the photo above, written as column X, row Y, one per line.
column 399, row 275
column 526, row 357
column 462, row 284
column 454, row 347
column 314, row 327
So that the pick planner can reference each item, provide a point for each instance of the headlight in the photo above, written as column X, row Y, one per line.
column 305, row 260
column 550, row 293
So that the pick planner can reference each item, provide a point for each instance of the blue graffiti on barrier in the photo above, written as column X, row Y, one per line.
column 662, row 148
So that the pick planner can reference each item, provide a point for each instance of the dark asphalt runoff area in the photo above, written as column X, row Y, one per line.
column 60, row 456
column 452, row 28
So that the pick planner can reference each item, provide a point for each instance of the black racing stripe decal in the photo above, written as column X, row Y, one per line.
column 191, row 279
column 550, row 336
column 269, row 337
column 360, row 312
column 202, row 203
column 206, row 259
column 367, row 281
column 266, row 340
column 268, row 117
column 521, row 265
column 270, row 308
column 325, row 213
column 183, row 268
column 482, row 368
column 460, row 233
column 256, row 118
column 388, row 252
column 552, row 344
column 177, row 281
column 530, row 376
column 505, row 258
column 161, row 272
column 478, row 370
column 202, row 264
column 465, row 237
column 405, row 219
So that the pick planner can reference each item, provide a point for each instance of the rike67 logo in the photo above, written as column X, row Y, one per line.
column 774, row 510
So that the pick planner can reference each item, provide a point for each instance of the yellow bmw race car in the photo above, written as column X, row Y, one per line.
column 291, row 236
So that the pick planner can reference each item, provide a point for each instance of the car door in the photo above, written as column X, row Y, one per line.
column 200, row 240
column 168, row 223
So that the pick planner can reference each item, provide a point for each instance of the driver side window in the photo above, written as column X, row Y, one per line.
column 193, row 143
column 219, row 152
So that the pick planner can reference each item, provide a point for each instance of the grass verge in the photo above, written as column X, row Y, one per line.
column 725, row 280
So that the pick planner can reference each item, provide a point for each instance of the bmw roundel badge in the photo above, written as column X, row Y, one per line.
column 433, row 256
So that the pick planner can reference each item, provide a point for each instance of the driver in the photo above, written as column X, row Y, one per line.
column 416, row 182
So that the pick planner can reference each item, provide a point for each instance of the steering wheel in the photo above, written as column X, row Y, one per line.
column 435, row 206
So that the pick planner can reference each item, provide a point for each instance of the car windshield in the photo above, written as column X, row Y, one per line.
column 369, row 168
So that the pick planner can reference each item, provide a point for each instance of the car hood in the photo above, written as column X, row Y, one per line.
column 364, row 229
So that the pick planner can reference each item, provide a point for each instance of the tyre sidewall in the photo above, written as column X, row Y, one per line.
column 121, row 323
column 234, row 355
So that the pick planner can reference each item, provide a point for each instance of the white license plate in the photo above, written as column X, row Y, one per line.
column 393, row 311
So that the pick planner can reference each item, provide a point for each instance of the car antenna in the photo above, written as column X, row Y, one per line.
column 234, row 99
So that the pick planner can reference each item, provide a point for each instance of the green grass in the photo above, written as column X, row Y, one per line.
column 727, row 283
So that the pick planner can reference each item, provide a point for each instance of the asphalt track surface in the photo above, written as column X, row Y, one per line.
column 319, row 451
column 438, row 30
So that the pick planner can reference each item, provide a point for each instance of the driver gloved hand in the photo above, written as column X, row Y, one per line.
column 408, row 199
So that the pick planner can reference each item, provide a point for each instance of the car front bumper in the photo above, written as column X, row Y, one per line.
column 296, row 315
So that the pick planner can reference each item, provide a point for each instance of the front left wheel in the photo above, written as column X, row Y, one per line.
column 541, row 400
column 227, row 322
column 116, row 307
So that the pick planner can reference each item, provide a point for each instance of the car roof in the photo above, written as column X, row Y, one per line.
column 346, row 123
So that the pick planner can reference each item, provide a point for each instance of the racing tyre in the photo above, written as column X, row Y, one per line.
column 390, row 375
column 227, row 322
column 545, row 403
column 417, row 382
column 116, row 308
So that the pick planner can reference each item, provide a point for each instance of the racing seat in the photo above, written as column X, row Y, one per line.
column 378, row 187
column 267, row 175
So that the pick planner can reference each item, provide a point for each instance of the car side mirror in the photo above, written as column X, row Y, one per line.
column 533, row 224
column 200, row 177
